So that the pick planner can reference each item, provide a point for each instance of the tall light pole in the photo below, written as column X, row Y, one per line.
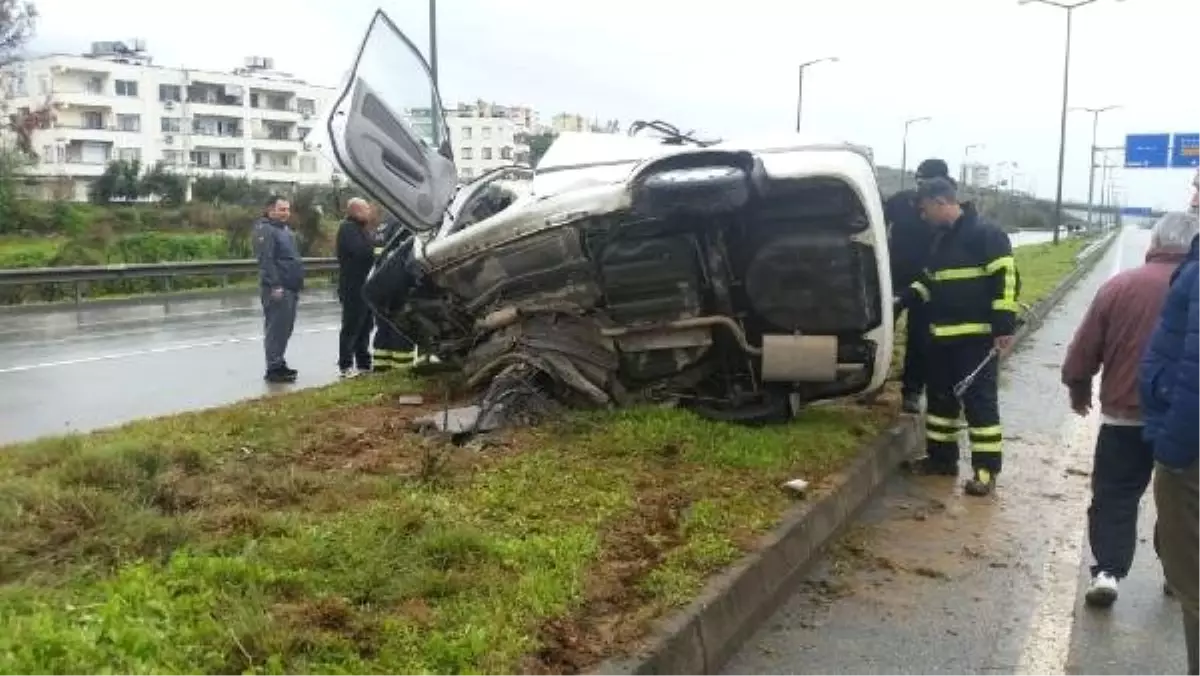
column 1069, row 8
column 904, row 148
column 962, row 178
column 1092, row 154
column 800, row 83
column 433, row 64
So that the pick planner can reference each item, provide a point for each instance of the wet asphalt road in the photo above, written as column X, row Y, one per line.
column 931, row 581
column 69, row 371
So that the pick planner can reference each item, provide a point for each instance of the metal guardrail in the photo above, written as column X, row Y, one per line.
column 81, row 275
column 103, row 273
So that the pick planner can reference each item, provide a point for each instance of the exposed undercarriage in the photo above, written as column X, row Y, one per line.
column 738, row 296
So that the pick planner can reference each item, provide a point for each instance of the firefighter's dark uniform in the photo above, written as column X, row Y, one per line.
column 389, row 349
column 909, row 240
column 969, row 287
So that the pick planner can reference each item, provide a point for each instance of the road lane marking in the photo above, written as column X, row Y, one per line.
column 151, row 351
column 1048, row 644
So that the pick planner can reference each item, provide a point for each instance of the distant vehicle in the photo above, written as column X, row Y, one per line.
column 740, row 279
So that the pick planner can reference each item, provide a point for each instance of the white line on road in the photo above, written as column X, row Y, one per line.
column 1048, row 645
column 153, row 350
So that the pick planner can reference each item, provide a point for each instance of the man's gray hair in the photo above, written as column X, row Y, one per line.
column 1174, row 231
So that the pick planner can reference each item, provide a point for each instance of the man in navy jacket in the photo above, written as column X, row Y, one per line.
column 1170, row 405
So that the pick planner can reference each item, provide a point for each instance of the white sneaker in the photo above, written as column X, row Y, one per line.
column 1102, row 593
column 349, row 373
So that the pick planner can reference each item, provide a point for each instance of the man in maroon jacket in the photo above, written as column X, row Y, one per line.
column 1113, row 335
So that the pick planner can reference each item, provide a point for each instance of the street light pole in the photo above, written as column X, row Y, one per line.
column 800, row 84
column 962, row 178
column 433, row 41
column 1069, row 8
column 1092, row 156
column 904, row 148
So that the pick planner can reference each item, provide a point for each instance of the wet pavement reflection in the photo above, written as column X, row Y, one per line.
column 72, row 370
column 930, row 581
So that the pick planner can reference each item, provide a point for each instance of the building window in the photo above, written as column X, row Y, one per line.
column 171, row 125
column 485, row 154
column 200, row 158
column 487, row 132
column 172, row 158
column 94, row 85
column 308, row 165
column 506, row 153
column 466, row 133
column 230, row 159
column 170, row 93
column 303, row 132
column 466, row 153
column 129, row 154
column 44, row 85
column 467, row 172
column 93, row 119
column 129, row 122
column 306, row 106
column 127, row 88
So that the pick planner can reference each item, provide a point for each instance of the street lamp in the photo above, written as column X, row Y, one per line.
column 1069, row 8
column 800, row 83
column 433, row 42
column 904, row 148
column 962, row 179
column 1092, row 155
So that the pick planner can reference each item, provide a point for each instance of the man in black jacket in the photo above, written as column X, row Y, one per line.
column 969, row 288
column 355, row 254
column 280, row 279
column 909, row 241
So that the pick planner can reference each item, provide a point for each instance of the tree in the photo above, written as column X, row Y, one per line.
column 121, row 180
column 17, row 22
column 170, row 188
column 18, row 19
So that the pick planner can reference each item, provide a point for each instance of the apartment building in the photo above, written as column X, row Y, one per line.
column 114, row 103
column 487, row 136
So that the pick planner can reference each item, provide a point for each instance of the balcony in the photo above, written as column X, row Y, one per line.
column 82, row 97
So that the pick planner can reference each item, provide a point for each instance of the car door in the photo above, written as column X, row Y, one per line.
column 389, row 132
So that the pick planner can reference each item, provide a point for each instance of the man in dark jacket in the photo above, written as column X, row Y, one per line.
column 1113, row 336
column 1170, row 401
column 909, row 241
column 969, row 287
column 390, row 349
column 355, row 253
column 281, row 279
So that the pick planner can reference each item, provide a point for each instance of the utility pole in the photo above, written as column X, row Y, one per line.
column 904, row 148
column 1069, row 8
column 800, row 84
column 433, row 55
column 1092, row 155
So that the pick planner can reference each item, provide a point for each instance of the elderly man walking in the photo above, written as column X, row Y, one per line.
column 1170, row 400
column 1113, row 335
column 355, row 255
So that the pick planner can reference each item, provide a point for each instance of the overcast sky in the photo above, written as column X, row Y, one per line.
column 990, row 76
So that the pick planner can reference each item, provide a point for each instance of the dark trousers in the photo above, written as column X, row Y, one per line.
column 354, row 339
column 391, row 349
column 916, row 350
column 1120, row 474
column 1177, row 499
column 279, row 320
column 949, row 361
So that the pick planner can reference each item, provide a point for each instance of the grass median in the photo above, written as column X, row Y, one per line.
column 313, row 532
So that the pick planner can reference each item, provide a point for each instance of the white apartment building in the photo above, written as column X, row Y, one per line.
column 113, row 103
column 486, row 136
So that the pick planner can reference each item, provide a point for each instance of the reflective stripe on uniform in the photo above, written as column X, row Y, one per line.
column 956, row 330
column 1007, row 265
column 951, row 274
column 986, row 439
column 378, row 250
column 921, row 289
column 1006, row 305
column 941, row 429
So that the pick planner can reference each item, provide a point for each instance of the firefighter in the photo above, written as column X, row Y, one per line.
column 909, row 238
column 390, row 349
column 969, row 288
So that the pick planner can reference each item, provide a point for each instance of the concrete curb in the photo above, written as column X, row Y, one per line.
column 701, row 638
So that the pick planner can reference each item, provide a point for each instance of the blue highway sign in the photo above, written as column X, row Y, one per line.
column 1147, row 151
column 1137, row 211
column 1185, row 150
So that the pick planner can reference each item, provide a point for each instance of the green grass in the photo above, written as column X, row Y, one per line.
column 313, row 533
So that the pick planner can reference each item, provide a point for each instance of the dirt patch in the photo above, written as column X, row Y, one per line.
column 616, row 613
